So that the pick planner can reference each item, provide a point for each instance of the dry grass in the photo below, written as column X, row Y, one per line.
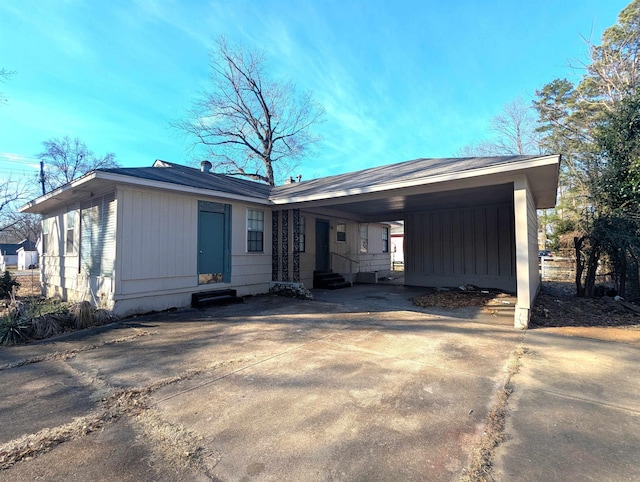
column 457, row 299
column 174, row 444
column 29, row 284
column 480, row 467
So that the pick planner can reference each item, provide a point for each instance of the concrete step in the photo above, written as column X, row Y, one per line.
column 214, row 297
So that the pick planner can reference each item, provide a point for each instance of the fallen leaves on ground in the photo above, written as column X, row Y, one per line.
column 557, row 306
column 459, row 299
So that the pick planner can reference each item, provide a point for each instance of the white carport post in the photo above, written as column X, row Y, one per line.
column 526, row 227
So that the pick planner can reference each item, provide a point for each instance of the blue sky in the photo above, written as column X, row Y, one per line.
column 398, row 79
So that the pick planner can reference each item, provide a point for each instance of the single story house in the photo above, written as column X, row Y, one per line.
column 27, row 258
column 141, row 239
column 9, row 253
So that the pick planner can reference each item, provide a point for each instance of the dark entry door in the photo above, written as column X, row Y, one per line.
column 322, row 245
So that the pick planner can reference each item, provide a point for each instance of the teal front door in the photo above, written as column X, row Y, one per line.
column 213, row 243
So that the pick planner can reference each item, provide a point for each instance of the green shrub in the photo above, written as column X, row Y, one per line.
column 7, row 283
column 13, row 330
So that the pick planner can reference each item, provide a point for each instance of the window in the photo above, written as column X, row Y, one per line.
column 98, row 236
column 70, row 223
column 302, row 233
column 341, row 232
column 46, row 230
column 364, row 237
column 385, row 240
column 255, row 231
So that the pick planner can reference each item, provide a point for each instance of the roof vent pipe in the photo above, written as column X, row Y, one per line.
column 205, row 166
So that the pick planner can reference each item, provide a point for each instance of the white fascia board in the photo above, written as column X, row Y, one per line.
column 56, row 192
column 77, row 184
column 441, row 178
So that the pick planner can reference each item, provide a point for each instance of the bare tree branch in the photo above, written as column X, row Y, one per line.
column 67, row 159
column 245, row 123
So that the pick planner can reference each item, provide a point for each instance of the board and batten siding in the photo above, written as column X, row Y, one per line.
column 158, row 251
column 250, row 272
column 455, row 247
column 158, row 241
column 61, row 272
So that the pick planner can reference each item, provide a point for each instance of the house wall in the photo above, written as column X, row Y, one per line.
column 60, row 273
column 8, row 260
column 158, row 251
column 397, row 248
column 27, row 258
column 343, row 251
column 454, row 247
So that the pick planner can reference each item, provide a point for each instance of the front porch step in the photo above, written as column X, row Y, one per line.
column 214, row 297
column 329, row 280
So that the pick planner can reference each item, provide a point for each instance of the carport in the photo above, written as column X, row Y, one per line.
column 467, row 220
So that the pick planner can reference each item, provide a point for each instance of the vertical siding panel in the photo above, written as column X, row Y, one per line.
column 145, row 236
column 457, row 244
column 492, row 241
column 436, row 233
column 162, row 223
column 505, row 235
column 427, row 226
column 447, row 243
column 480, row 241
column 468, row 236
column 126, row 233
column 137, row 248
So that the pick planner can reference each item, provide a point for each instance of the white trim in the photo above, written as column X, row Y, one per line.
column 420, row 181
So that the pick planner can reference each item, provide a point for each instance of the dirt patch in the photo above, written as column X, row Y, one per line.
column 452, row 299
column 558, row 310
column 29, row 284
column 557, row 306
column 480, row 468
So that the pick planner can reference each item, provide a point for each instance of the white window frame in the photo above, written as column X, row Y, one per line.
column 255, row 224
column 385, row 239
column 70, row 233
column 363, row 235
column 341, row 228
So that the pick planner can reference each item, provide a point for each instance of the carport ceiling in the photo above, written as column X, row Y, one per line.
column 390, row 207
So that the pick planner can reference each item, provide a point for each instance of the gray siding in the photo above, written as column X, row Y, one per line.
column 461, row 246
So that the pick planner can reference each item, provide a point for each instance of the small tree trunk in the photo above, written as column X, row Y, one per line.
column 577, row 244
column 623, row 273
column 592, row 268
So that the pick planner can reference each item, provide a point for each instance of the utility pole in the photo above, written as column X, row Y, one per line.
column 42, row 177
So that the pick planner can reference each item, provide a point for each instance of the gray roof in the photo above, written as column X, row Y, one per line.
column 396, row 173
column 366, row 178
column 191, row 177
column 12, row 248
column 376, row 179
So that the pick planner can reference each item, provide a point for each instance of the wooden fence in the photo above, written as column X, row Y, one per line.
column 557, row 269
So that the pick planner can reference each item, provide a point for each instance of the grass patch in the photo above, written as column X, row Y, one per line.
column 480, row 468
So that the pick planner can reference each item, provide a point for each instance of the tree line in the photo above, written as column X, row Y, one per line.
column 595, row 124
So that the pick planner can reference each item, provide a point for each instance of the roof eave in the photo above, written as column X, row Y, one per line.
column 56, row 197
column 514, row 167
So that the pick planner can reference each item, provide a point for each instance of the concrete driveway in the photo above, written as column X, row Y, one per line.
column 356, row 385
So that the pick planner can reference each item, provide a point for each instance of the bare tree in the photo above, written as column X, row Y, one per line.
column 11, row 193
column 67, row 159
column 4, row 76
column 514, row 130
column 245, row 123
